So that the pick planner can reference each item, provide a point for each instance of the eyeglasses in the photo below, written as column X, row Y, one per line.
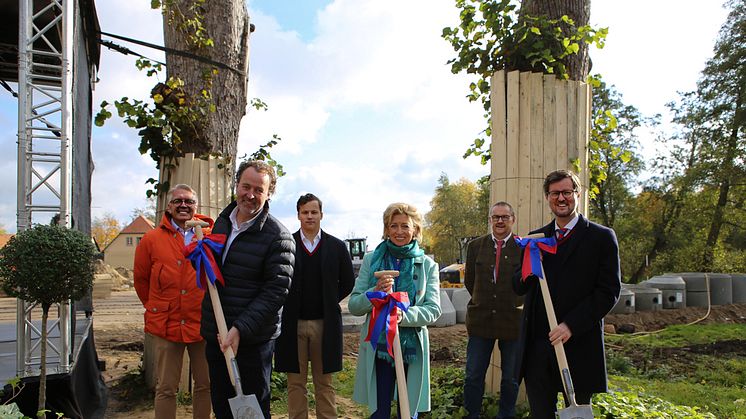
column 187, row 202
column 496, row 218
column 565, row 194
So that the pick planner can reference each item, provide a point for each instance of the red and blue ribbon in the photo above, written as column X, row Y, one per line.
column 204, row 261
column 383, row 317
column 532, row 255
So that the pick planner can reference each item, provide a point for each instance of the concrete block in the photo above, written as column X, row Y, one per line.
column 460, row 300
column 448, row 312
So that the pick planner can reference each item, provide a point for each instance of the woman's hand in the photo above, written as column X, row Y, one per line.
column 385, row 283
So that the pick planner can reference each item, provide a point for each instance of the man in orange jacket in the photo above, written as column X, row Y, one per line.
column 166, row 283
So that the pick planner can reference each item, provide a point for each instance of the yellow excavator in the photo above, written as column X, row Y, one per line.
column 452, row 276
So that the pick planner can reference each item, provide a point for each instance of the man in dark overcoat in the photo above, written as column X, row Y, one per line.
column 584, row 282
column 311, row 319
column 493, row 313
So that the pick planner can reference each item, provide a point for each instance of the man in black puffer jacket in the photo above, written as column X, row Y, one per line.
column 257, row 265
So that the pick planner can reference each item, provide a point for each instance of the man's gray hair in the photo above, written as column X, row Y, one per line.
column 183, row 187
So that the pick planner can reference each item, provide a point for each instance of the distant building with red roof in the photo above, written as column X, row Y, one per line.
column 121, row 251
column 5, row 238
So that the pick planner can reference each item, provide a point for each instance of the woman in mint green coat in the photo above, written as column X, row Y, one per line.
column 418, row 277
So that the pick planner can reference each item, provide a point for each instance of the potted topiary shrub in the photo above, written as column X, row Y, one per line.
column 47, row 265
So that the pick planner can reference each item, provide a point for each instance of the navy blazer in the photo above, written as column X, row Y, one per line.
column 338, row 278
column 584, row 281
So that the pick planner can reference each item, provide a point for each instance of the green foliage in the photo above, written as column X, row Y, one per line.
column 10, row 411
column 458, row 210
column 162, row 123
column 613, row 162
column 47, row 264
column 447, row 393
column 719, row 401
column 184, row 398
column 678, row 365
column 683, row 335
column 491, row 37
column 639, row 404
column 698, row 188
column 171, row 115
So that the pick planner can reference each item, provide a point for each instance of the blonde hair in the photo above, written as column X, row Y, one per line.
column 410, row 211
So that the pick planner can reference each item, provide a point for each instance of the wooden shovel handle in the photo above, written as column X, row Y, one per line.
column 216, row 306
column 559, row 349
column 401, row 377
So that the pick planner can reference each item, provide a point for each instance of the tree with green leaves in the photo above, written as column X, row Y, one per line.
column 540, row 36
column 46, row 265
column 614, row 142
column 700, row 183
column 199, row 107
column 458, row 210
column 721, row 112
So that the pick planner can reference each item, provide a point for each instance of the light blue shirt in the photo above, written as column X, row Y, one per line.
column 187, row 234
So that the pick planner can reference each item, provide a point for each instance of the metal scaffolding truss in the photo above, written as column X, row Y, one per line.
column 45, row 59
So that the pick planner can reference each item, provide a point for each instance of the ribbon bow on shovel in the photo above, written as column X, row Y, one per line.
column 203, row 259
column 384, row 317
column 532, row 266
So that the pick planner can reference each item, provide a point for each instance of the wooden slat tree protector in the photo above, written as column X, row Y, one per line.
column 207, row 177
column 499, row 147
column 512, row 122
column 536, row 196
column 561, row 132
column 522, row 205
column 584, row 115
column 539, row 124
column 550, row 135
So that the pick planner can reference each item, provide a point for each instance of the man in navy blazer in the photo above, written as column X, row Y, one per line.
column 584, row 281
column 312, row 319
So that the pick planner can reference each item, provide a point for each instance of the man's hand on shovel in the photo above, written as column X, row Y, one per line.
column 560, row 334
column 230, row 341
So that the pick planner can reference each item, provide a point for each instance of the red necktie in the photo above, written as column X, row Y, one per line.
column 562, row 234
column 497, row 259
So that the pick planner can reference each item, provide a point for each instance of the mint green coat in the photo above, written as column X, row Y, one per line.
column 424, row 311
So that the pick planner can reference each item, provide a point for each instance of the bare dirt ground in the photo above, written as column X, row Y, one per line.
column 119, row 341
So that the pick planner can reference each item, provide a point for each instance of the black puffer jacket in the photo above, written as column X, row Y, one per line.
column 257, row 272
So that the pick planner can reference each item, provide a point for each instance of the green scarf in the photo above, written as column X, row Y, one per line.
column 389, row 256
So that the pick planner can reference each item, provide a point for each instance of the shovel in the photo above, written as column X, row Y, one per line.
column 242, row 406
column 574, row 411
column 401, row 378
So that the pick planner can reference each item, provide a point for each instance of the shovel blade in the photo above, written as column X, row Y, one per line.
column 576, row 412
column 246, row 407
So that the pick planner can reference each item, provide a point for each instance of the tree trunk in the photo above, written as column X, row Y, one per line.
column 40, row 413
column 227, row 24
column 578, row 65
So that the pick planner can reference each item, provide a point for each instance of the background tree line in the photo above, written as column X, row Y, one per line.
column 682, row 210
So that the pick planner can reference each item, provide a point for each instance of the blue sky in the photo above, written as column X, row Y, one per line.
column 360, row 93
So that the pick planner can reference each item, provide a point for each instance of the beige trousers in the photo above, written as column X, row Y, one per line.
column 168, row 363
column 310, row 334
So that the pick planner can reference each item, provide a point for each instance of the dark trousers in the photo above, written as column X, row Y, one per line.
column 543, row 382
column 385, row 380
column 478, row 354
column 255, row 367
